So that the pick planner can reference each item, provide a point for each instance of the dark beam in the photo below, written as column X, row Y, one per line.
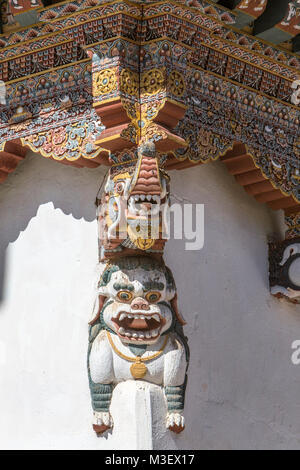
column 1, row 18
column 296, row 43
column 268, row 25
column 229, row 3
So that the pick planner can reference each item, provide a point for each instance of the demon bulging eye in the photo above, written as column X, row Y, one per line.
column 152, row 296
column 124, row 296
column 120, row 186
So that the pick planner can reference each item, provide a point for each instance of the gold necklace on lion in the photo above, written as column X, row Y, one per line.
column 138, row 369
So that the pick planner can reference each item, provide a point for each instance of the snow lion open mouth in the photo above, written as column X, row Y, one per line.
column 141, row 204
column 139, row 326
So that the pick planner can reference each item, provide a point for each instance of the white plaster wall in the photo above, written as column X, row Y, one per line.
column 243, row 390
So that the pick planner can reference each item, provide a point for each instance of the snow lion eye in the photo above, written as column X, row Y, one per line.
column 125, row 296
column 120, row 187
column 153, row 297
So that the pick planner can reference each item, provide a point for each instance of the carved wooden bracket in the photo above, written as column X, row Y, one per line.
column 11, row 154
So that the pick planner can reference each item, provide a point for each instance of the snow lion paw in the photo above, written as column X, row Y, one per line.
column 175, row 422
column 102, row 421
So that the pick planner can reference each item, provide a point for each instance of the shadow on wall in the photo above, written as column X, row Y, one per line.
column 38, row 181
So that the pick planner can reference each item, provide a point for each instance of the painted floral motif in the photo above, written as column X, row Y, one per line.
column 176, row 84
column 129, row 82
column 70, row 142
column 153, row 81
column 104, row 82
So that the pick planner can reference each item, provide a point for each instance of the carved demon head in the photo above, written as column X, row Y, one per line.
column 137, row 300
column 136, row 191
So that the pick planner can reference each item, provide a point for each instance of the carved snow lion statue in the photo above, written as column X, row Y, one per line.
column 136, row 333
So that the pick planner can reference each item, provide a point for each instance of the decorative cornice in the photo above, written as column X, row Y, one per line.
column 176, row 9
column 211, row 89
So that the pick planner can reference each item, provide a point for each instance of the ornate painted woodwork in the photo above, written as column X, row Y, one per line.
column 136, row 330
column 136, row 193
column 285, row 268
column 231, row 75
column 92, row 79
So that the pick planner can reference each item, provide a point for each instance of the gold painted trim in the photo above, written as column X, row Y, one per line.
column 177, row 103
column 109, row 100
column 174, row 138
column 109, row 138
column 125, row 163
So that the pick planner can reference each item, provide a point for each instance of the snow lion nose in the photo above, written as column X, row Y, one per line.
column 140, row 304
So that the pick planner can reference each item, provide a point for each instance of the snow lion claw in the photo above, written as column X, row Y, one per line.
column 175, row 422
column 102, row 422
